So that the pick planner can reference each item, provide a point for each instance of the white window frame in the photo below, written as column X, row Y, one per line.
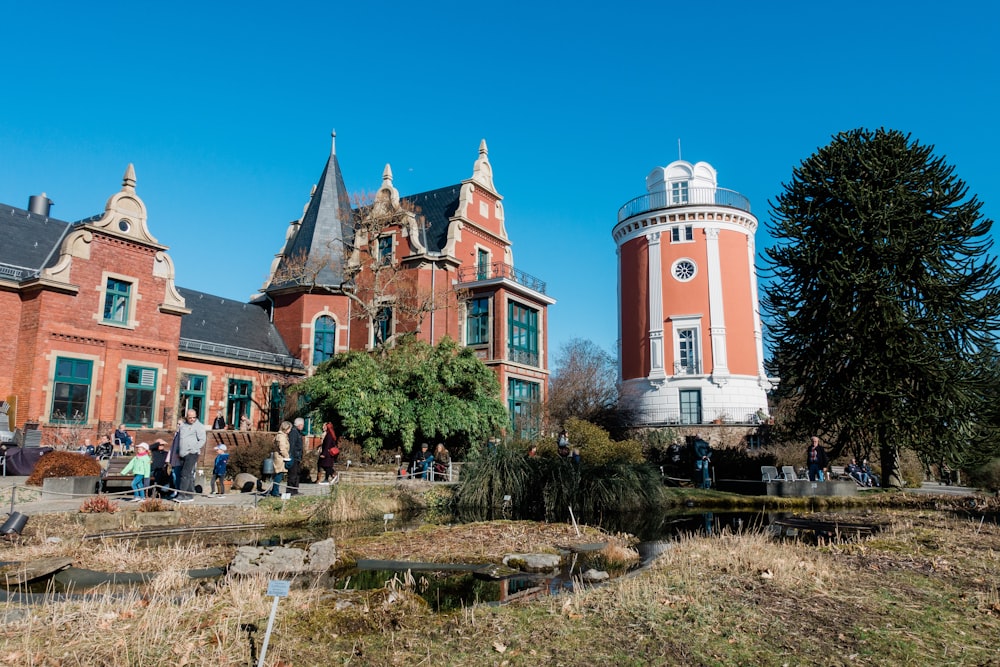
column 688, row 323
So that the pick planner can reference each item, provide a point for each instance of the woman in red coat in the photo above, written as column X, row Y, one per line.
column 328, row 454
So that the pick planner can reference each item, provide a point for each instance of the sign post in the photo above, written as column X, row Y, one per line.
column 279, row 589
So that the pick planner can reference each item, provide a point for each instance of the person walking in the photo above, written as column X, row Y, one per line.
column 296, row 449
column 816, row 460
column 279, row 457
column 328, row 453
column 191, row 440
column 175, row 462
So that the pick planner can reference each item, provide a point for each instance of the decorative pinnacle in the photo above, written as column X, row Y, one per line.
column 128, row 180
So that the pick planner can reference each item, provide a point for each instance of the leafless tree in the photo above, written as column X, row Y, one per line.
column 584, row 383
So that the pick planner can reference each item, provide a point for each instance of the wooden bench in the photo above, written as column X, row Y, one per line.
column 112, row 474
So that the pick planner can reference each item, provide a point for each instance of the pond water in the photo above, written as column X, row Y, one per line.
column 446, row 589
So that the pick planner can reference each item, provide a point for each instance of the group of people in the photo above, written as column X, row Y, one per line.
column 289, row 448
column 818, row 464
column 219, row 424
column 428, row 465
column 169, row 470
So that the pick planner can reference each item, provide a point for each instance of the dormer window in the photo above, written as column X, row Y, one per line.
column 679, row 192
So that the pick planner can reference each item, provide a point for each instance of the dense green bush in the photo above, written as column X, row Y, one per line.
column 986, row 476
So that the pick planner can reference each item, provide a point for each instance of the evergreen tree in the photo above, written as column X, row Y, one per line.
column 884, row 302
column 408, row 394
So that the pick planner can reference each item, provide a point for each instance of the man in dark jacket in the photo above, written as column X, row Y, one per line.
column 296, row 449
column 702, row 459
column 816, row 460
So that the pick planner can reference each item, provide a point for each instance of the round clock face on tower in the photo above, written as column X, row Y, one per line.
column 684, row 270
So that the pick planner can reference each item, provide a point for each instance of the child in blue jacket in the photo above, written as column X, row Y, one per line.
column 219, row 470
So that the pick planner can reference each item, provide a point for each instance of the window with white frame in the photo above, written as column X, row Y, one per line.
column 687, row 345
column 684, row 270
column 679, row 192
column 681, row 234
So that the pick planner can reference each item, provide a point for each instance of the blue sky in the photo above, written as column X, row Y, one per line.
column 225, row 109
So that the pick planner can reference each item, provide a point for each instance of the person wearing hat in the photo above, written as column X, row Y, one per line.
column 139, row 467
column 219, row 470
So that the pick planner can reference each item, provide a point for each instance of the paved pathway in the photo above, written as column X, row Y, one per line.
column 29, row 499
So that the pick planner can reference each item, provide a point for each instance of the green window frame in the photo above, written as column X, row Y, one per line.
column 324, row 339
column 525, row 407
column 192, row 394
column 477, row 322
column 522, row 325
column 482, row 264
column 690, row 401
column 117, row 296
column 140, row 396
column 71, row 390
column 238, row 401
column 383, row 325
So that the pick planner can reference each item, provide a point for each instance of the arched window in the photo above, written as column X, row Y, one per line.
column 324, row 339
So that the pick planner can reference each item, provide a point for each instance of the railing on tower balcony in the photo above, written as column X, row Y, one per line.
column 667, row 416
column 656, row 200
column 493, row 270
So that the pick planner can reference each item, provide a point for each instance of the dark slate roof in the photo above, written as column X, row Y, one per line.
column 28, row 242
column 231, row 329
column 325, row 225
column 436, row 207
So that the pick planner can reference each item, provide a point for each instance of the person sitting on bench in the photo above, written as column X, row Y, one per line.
column 857, row 472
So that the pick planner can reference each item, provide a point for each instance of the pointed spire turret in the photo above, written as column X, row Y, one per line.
column 319, row 239
column 387, row 176
column 128, row 180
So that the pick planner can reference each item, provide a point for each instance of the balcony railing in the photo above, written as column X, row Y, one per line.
column 522, row 356
column 665, row 416
column 494, row 270
column 656, row 200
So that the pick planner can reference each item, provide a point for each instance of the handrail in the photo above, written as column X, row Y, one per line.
column 495, row 270
column 653, row 201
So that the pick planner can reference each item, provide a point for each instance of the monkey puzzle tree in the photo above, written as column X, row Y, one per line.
column 884, row 301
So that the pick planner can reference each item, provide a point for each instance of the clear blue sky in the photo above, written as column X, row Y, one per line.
column 226, row 111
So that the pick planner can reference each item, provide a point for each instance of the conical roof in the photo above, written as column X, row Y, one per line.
column 319, row 240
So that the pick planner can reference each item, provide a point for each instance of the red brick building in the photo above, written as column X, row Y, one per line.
column 99, row 334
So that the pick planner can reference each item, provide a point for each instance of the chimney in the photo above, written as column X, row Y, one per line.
column 39, row 204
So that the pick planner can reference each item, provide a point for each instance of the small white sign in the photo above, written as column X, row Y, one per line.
column 286, row 496
column 388, row 517
column 278, row 588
